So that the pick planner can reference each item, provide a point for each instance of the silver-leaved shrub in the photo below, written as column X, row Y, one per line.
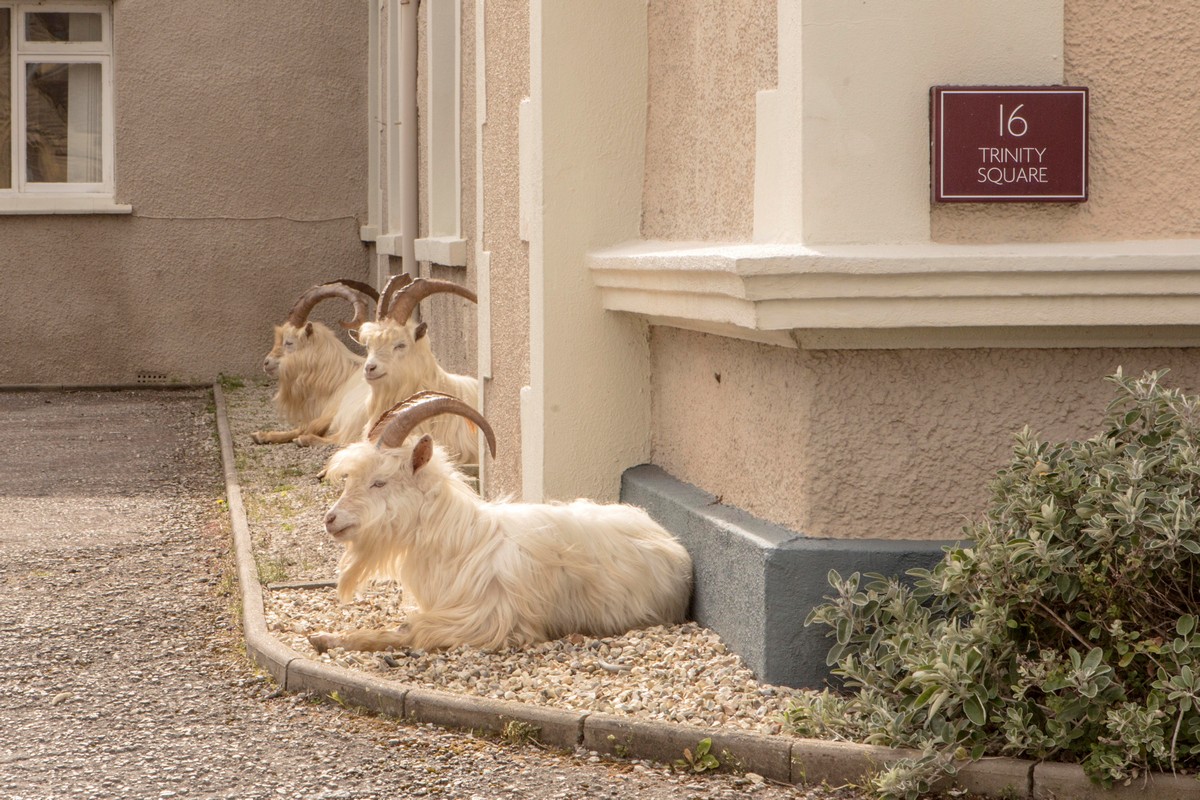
column 1067, row 632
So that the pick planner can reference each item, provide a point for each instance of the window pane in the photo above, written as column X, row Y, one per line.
column 6, row 108
column 51, row 26
column 63, row 138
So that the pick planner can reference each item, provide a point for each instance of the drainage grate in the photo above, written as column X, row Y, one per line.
column 152, row 377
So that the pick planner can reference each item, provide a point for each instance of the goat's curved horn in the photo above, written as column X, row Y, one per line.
column 412, row 294
column 395, row 424
column 359, row 286
column 304, row 305
column 394, row 284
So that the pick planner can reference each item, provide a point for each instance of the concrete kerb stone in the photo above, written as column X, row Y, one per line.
column 1068, row 782
column 347, row 687
column 840, row 763
column 769, row 756
column 263, row 649
column 998, row 777
column 779, row 758
column 550, row 726
column 270, row 654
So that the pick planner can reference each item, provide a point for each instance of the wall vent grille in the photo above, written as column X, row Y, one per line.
column 144, row 377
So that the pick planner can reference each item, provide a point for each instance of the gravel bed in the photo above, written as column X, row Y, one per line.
column 680, row 673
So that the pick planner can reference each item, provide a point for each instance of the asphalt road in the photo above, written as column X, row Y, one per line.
column 122, row 673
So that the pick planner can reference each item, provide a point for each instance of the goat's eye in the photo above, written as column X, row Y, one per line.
column 401, row 346
column 378, row 484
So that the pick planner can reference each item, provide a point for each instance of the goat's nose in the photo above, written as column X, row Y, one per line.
column 370, row 367
column 330, row 517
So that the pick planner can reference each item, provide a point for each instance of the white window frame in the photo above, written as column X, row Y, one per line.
column 444, row 243
column 32, row 197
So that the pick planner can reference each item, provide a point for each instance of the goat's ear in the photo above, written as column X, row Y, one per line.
column 422, row 329
column 422, row 452
column 308, row 329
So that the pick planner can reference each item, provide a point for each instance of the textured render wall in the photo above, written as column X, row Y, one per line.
column 507, row 77
column 1142, row 67
column 707, row 59
column 870, row 443
column 229, row 118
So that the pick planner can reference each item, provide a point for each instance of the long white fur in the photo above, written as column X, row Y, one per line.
column 317, row 375
column 495, row 574
column 407, row 365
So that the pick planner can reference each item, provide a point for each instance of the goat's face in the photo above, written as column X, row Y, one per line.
column 381, row 495
column 390, row 347
column 288, row 340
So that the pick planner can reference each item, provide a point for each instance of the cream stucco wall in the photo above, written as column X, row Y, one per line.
column 707, row 61
column 240, row 147
column 589, row 369
column 871, row 443
column 1141, row 66
column 901, row 443
column 506, row 32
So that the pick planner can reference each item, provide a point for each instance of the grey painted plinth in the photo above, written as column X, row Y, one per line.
column 757, row 582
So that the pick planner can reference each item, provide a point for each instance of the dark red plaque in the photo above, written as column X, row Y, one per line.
column 1009, row 144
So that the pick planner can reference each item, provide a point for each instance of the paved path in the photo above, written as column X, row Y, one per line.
column 121, row 668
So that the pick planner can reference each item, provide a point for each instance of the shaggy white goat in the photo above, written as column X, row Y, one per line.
column 490, row 574
column 317, row 373
column 400, row 363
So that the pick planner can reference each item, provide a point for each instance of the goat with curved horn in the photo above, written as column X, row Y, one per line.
column 489, row 574
column 400, row 362
column 317, row 373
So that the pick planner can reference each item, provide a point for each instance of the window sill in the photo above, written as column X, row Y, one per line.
column 448, row 251
column 62, row 204
column 1095, row 294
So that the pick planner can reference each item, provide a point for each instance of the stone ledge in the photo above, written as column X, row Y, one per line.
column 1107, row 294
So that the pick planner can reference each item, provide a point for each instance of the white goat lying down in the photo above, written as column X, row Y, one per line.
column 316, row 371
column 490, row 574
column 400, row 363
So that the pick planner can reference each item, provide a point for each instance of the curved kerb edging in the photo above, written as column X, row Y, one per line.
column 779, row 758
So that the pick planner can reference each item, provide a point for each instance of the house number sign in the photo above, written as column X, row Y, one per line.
column 1007, row 144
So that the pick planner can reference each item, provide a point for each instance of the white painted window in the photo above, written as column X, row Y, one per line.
column 443, row 135
column 56, row 100
column 444, row 243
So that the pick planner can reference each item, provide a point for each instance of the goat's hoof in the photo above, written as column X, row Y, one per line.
column 257, row 437
column 323, row 641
